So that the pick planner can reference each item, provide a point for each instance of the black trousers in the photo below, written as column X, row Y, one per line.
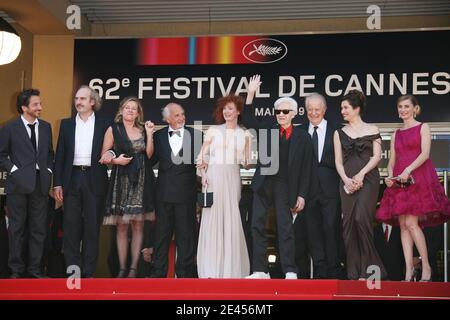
column 319, row 232
column 330, row 209
column 275, row 192
column 27, row 227
column 83, row 213
column 178, row 217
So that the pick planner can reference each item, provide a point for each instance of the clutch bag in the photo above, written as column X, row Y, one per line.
column 205, row 199
column 403, row 184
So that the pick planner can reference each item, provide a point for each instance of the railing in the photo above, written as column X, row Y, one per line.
column 445, row 232
column 246, row 176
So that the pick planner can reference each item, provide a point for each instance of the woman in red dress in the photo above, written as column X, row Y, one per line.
column 414, row 198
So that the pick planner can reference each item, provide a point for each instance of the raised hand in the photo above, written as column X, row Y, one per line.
column 254, row 83
column 149, row 127
column 253, row 86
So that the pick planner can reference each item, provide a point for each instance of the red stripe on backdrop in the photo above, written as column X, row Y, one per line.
column 202, row 50
column 214, row 50
column 173, row 51
column 239, row 44
column 208, row 50
column 161, row 51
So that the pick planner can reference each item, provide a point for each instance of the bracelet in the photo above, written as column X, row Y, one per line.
column 408, row 170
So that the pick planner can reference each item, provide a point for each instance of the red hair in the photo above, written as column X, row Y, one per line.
column 238, row 101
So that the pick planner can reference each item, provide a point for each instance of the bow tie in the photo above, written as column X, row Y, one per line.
column 177, row 132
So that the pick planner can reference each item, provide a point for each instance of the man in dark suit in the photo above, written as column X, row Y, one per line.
column 81, row 181
column 323, row 215
column 26, row 152
column 389, row 247
column 282, row 180
column 175, row 149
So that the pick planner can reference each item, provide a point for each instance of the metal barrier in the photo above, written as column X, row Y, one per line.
column 445, row 232
column 246, row 176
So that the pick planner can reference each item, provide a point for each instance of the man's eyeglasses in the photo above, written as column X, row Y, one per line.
column 285, row 111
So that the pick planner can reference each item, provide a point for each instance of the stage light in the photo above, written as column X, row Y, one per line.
column 10, row 43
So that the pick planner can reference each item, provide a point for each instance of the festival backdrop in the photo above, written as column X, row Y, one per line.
column 195, row 71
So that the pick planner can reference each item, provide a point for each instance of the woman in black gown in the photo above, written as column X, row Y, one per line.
column 358, row 151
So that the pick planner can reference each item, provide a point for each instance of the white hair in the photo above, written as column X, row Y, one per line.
column 165, row 112
column 316, row 96
column 291, row 102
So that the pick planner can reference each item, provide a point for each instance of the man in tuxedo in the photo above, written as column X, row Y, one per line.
column 175, row 150
column 26, row 153
column 282, row 180
column 389, row 247
column 81, row 181
column 323, row 215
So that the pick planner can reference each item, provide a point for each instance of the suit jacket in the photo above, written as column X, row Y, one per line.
column 16, row 149
column 327, row 182
column 176, row 182
column 299, row 159
column 65, row 154
column 391, row 252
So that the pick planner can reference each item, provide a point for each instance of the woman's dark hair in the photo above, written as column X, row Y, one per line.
column 23, row 99
column 356, row 99
column 222, row 102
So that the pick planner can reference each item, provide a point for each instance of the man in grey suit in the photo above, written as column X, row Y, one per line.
column 26, row 153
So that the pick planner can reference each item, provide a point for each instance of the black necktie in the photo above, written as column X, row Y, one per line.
column 33, row 135
column 315, row 141
column 177, row 132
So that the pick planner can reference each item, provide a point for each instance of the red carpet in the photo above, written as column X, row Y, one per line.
column 215, row 289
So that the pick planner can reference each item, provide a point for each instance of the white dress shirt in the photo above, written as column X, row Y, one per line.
column 389, row 227
column 84, row 136
column 321, row 130
column 36, row 131
column 176, row 142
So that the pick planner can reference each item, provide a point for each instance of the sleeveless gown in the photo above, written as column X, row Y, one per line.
column 222, row 250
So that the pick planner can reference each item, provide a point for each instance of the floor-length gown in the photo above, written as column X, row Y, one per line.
column 222, row 250
column 358, row 209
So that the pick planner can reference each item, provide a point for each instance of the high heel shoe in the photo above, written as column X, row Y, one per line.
column 413, row 278
column 132, row 273
column 429, row 279
column 121, row 273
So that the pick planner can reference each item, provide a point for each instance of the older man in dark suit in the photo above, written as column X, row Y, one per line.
column 176, row 149
column 283, row 180
column 26, row 152
column 81, row 181
column 323, row 214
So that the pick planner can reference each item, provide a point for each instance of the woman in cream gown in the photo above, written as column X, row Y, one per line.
column 222, row 250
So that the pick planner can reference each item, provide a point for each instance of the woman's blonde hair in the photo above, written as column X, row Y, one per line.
column 139, row 121
column 413, row 100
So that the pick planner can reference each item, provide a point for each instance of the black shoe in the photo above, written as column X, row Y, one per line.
column 132, row 273
column 15, row 275
column 35, row 276
column 121, row 273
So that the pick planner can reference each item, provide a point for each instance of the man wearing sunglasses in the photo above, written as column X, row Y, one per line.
column 281, row 179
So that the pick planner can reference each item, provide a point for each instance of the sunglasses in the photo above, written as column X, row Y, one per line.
column 285, row 111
